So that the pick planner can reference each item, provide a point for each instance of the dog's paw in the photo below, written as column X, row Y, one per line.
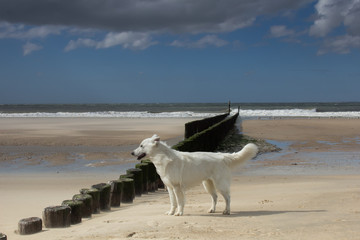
column 211, row 210
column 226, row 212
column 178, row 214
column 171, row 212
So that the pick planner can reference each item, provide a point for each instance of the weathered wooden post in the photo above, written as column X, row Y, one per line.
column 105, row 190
column 3, row 236
column 95, row 194
column 57, row 217
column 152, row 176
column 159, row 182
column 86, row 209
column 138, row 180
column 145, row 170
column 29, row 226
column 116, row 192
column 76, row 210
column 128, row 193
column 128, row 175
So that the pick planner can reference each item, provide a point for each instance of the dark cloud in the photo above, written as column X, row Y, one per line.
column 332, row 14
column 133, row 23
column 210, row 16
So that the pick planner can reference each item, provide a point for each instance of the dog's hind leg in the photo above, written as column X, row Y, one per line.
column 223, row 187
column 226, row 195
column 180, row 198
column 210, row 188
column 172, row 201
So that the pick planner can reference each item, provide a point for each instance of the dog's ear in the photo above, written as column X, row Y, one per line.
column 156, row 139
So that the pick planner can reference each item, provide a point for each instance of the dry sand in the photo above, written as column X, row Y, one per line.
column 299, row 200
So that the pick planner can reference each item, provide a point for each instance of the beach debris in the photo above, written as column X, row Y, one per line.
column 57, row 216
column 266, row 201
column 29, row 226
column 131, row 234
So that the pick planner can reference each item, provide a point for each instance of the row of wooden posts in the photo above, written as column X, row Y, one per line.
column 100, row 197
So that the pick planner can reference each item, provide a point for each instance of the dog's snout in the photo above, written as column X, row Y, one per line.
column 132, row 153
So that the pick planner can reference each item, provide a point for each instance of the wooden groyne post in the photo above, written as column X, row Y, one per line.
column 138, row 180
column 116, row 192
column 29, row 226
column 128, row 193
column 57, row 216
column 3, row 236
column 105, row 192
column 95, row 194
column 76, row 207
column 86, row 199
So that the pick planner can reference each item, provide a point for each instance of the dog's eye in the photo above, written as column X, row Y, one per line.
column 141, row 146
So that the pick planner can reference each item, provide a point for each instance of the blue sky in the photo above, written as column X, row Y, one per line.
column 179, row 51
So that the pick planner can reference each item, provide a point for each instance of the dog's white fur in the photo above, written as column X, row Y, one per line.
column 182, row 170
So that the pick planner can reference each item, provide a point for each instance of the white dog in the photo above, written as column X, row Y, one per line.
column 182, row 170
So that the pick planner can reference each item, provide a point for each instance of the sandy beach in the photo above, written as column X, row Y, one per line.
column 309, row 190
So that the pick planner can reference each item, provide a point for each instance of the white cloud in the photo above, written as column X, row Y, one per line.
column 333, row 13
column 42, row 31
column 81, row 42
column 352, row 18
column 128, row 40
column 279, row 31
column 131, row 40
column 341, row 44
column 30, row 47
column 206, row 41
column 19, row 31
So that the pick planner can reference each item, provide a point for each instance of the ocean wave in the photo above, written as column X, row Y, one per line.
column 108, row 114
column 295, row 113
column 258, row 113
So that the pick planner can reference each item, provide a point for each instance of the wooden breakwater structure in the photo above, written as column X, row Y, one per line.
column 97, row 198
column 141, row 179
column 194, row 127
column 208, row 139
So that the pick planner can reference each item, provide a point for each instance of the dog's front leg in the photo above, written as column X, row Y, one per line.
column 172, row 201
column 180, row 198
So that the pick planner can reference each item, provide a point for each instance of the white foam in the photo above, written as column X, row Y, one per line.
column 109, row 114
column 276, row 113
column 309, row 113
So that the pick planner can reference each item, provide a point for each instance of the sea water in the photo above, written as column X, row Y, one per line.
column 183, row 110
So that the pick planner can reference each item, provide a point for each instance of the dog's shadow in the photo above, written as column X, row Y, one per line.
column 236, row 214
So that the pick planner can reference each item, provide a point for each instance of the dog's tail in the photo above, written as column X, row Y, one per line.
column 247, row 153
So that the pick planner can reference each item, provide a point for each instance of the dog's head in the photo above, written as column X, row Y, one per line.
column 146, row 147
